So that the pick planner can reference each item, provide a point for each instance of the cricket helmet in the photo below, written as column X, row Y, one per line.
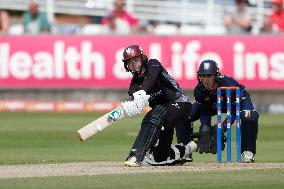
column 133, row 51
column 208, row 67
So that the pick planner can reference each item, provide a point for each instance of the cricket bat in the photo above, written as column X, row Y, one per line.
column 101, row 123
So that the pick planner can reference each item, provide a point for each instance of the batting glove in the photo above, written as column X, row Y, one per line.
column 130, row 108
column 141, row 99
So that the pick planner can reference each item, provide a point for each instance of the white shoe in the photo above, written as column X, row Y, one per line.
column 247, row 157
column 189, row 149
column 132, row 162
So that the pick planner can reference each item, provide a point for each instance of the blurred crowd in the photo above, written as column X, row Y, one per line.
column 240, row 20
column 119, row 21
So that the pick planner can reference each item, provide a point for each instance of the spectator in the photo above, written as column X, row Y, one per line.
column 34, row 21
column 274, row 23
column 119, row 20
column 4, row 21
column 239, row 21
column 96, row 19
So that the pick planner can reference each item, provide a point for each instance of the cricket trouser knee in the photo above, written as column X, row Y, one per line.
column 179, row 118
column 162, row 150
column 149, row 132
column 184, row 132
column 249, row 130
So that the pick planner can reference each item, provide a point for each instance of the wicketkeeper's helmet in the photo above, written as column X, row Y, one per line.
column 133, row 51
column 208, row 67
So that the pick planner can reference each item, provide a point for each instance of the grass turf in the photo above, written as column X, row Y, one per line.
column 28, row 138
column 258, row 179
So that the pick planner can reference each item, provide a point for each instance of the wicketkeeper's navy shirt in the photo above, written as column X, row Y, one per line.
column 205, row 106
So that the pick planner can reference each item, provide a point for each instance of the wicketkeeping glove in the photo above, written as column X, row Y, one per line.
column 214, row 139
column 205, row 140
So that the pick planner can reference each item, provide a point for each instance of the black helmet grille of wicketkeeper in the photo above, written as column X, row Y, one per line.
column 133, row 51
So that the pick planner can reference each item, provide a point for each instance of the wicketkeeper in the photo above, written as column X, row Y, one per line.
column 151, row 84
column 209, row 79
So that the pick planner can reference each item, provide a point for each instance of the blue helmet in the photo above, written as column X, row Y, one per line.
column 208, row 67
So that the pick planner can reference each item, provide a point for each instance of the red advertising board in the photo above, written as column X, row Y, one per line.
column 95, row 61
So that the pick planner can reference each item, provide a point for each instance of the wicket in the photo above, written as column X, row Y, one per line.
column 219, row 123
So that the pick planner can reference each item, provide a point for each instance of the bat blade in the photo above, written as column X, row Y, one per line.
column 100, row 124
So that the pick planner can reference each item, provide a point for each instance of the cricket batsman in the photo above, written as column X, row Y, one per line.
column 151, row 84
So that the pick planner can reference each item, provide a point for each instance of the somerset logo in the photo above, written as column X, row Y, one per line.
column 128, row 50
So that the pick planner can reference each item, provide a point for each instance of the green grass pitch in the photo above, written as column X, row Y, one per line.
column 37, row 138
